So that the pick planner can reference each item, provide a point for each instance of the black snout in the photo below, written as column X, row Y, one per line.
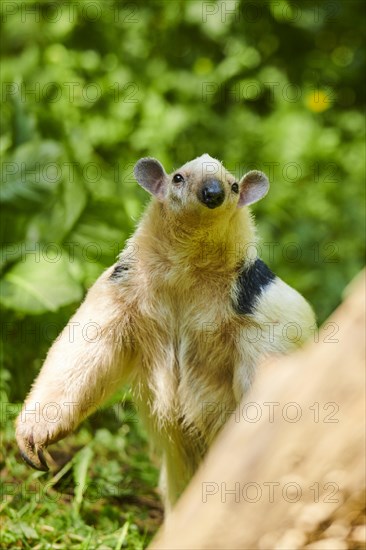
column 212, row 193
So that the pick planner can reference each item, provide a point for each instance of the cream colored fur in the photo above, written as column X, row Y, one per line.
column 167, row 326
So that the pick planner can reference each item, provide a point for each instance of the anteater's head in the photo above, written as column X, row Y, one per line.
column 202, row 184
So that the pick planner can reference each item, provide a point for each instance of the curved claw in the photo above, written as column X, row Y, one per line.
column 42, row 459
column 41, row 465
column 32, row 454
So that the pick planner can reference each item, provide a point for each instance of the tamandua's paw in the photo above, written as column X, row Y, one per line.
column 33, row 438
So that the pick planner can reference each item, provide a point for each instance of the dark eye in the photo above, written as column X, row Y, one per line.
column 235, row 187
column 178, row 178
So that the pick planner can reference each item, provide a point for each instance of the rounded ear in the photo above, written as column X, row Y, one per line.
column 253, row 186
column 151, row 176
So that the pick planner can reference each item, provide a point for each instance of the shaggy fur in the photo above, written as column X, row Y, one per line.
column 184, row 319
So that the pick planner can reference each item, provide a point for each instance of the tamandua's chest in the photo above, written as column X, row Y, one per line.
column 188, row 356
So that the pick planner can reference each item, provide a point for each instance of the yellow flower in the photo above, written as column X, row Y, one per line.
column 318, row 100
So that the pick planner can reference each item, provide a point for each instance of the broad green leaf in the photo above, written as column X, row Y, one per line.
column 56, row 221
column 36, row 287
column 28, row 176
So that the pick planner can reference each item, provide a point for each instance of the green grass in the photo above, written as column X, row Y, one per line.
column 103, row 495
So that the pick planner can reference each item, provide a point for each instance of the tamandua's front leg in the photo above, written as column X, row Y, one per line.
column 93, row 355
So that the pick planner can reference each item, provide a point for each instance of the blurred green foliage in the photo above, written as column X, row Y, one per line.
column 89, row 87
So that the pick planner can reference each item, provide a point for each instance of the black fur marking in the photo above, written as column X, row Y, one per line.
column 118, row 271
column 251, row 283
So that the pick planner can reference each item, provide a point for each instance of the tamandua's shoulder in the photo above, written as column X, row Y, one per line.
column 252, row 282
column 261, row 294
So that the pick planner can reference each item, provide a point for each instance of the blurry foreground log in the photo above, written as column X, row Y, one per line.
column 288, row 470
